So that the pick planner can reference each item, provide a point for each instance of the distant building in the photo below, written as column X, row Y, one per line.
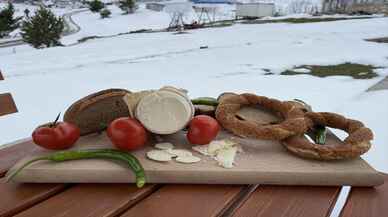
column 255, row 9
column 214, row 1
column 169, row 6
column 374, row 7
column 155, row 6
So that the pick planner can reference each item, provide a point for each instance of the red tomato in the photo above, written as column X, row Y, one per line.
column 61, row 135
column 202, row 130
column 127, row 133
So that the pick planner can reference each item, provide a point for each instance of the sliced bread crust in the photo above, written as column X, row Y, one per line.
column 94, row 112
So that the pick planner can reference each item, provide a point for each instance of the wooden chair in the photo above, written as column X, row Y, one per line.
column 162, row 200
column 7, row 105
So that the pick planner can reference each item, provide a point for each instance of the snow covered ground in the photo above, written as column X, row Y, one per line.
column 91, row 23
column 19, row 11
column 45, row 82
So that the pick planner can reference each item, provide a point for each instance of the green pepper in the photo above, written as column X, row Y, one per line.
column 320, row 135
column 111, row 154
column 205, row 101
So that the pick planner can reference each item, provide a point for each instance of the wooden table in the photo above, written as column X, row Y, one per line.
column 158, row 200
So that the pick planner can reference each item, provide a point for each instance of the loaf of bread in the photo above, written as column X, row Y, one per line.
column 94, row 113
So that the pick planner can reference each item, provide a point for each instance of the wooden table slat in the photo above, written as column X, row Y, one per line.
column 117, row 197
column 187, row 200
column 14, row 152
column 97, row 200
column 7, row 105
column 21, row 196
column 290, row 201
column 244, row 195
column 18, row 197
column 371, row 202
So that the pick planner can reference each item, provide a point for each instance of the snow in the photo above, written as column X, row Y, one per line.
column 19, row 12
column 301, row 70
column 91, row 23
column 19, row 9
column 289, row 6
column 45, row 82
column 372, row 108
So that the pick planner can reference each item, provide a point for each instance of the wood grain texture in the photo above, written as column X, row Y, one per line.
column 11, row 153
column 187, row 201
column 94, row 200
column 244, row 195
column 7, row 105
column 301, row 201
column 263, row 162
column 18, row 197
column 371, row 202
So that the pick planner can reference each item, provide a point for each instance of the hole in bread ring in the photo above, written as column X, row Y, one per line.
column 292, row 117
column 356, row 144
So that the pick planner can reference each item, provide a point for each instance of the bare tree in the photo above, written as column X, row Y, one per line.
column 302, row 6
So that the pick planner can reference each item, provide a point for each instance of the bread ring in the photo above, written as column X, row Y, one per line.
column 294, row 122
column 356, row 144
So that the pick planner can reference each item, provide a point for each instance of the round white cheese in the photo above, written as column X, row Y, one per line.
column 164, row 112
column 164, row 146
column 188, row 159
column 158, row 155
column 179, row 152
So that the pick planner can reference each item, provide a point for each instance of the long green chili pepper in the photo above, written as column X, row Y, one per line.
column 205, row 101
column 320, row 135
column 112, row 154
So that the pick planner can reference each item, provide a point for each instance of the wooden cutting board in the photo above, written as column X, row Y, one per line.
column 263, row 162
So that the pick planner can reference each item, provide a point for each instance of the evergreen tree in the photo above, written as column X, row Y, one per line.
column 7, row 21
column 27, row 13
column 96, row 5
column 43, row 29
column 128, row 6
column 105, row 13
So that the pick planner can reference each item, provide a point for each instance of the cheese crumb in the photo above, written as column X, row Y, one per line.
column 188, row 159
column 179, row 152
column 159, row 155
column 225, row 157
column 223, row 151
column 202, row 149
column 164, row 146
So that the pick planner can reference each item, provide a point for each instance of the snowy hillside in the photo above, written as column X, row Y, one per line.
column 19, row 12
column 92, row 24
column 45, row 82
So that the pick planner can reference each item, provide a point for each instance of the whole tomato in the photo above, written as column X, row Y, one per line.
column 127, row 133
column 202, row 130
column 56, row 136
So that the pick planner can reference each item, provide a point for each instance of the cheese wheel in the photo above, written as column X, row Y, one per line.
column 164, row 111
